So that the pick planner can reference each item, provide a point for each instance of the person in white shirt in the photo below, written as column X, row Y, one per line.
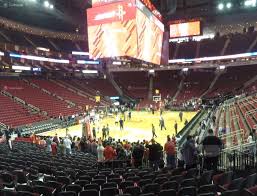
column 100, row 152
column 67, row 143
column 117, row 120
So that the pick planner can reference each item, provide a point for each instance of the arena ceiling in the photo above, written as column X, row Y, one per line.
column 69, row 15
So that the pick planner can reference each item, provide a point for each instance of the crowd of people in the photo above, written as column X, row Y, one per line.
column 138, row 154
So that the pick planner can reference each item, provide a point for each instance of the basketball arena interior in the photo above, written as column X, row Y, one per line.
column 128, row 97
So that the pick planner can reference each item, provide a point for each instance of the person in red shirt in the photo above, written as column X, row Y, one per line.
column 109, row 153
column 54, row 148
column 170, row 151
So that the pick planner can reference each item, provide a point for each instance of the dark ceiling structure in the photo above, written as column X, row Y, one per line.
column 70, row 15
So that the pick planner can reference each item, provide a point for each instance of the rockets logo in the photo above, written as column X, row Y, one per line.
column 120, row 12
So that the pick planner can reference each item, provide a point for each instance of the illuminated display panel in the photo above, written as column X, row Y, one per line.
column 149, row 39
column 112, row 30
column 125, row 28
column 185, row 29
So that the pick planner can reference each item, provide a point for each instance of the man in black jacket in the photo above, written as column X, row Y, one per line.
column 211, row 148
column 137, row 155
column 155, row 152
column 8, row 137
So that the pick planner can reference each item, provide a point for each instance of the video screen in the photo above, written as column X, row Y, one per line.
column 149, row 39
column 112, row 31
column 121, row 29
column 185, row 29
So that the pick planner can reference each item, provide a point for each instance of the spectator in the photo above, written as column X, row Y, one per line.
column 54, row 148
column 94, row 147
column 190, row 153
column 109, row 153
column 67, row 143
column 62, row 147
column 181, row 161
column 82, row 144
column 48, row 144
column 100, row 152
column 137, row 154
column 251, row 143
column 8, row 137
column 121, row 154
column 77, row 146
column 170, row 151
column 56, row 139
column 94, row 132
column 155, row 151
column 211, row 148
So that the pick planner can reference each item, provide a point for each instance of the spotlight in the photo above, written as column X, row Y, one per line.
column 46, row 4
column 51, row 6
column 229, row 5
column 221, row 6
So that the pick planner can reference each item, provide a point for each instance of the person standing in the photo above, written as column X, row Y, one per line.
column 54, row 148
column 211, row 150
column 137, row 154
column 162, row 123
column 121, row 124
column 48, row 144
column 155, row 151
column 176, row 127
column 181, row 116
column 116, row 120
column 56, row 139
column 129, row 115
column 100, row 152
column 94, row 132
column 190, row 153
column 107, row 130
column 109, row 153
column 186, row 122
column 153, row 131
column 67, row 143
column 170, row 151
column 104, row 133
column 8, row 137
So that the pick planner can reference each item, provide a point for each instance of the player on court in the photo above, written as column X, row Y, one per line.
column 153, row 131
column 117, row 120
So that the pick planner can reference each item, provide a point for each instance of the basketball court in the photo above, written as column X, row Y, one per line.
column 138, row 128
